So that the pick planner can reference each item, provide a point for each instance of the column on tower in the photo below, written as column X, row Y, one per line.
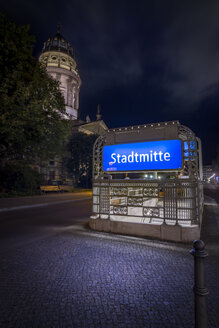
column 73, row 97
column 76, row 97
column 63, row 87
column 69, row 92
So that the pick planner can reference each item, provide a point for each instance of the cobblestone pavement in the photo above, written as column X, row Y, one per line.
column 74, row 277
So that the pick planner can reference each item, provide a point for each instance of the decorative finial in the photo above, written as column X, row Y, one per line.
column 98, row 112
column 58, row 28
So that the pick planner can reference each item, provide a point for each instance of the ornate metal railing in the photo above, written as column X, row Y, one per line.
column 170, row 202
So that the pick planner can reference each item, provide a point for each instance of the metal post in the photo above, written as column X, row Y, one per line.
column 200, row 291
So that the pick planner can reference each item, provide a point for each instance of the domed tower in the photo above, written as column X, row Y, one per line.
column 57, row 56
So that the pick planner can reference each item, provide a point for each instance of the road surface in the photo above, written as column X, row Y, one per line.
column 55, row 272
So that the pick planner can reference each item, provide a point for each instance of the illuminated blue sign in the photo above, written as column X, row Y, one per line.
column 143, row 156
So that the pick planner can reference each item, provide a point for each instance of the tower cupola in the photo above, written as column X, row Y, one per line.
column 57, row 56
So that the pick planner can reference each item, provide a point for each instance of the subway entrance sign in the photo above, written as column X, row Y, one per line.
column 143, row 156
column 166, row 206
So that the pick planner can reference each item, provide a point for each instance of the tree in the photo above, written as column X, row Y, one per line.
column 79, row 162
column 18, row 179
column 32, row 124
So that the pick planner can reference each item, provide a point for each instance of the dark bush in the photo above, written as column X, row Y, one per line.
column 19, row 178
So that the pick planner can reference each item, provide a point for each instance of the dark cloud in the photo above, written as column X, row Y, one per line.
column 190, row 49
column 144, row 61
column 111, row 54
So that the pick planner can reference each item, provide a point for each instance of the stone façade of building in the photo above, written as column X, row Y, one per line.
column 58, row 58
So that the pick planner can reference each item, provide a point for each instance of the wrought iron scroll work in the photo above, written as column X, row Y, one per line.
column 98, row 157
column 190, row 152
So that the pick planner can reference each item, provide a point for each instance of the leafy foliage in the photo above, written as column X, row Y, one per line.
column 79, row 162
column 32, row 127
column 19, row 178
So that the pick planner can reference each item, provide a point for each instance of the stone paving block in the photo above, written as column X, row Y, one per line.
column 84, row 280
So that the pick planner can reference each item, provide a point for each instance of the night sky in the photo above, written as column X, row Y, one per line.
column 142, row 61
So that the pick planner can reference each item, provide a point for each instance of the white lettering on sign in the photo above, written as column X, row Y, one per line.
column 152, row 156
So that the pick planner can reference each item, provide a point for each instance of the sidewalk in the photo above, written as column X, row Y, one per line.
column 74, row 277
column 210, row 223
